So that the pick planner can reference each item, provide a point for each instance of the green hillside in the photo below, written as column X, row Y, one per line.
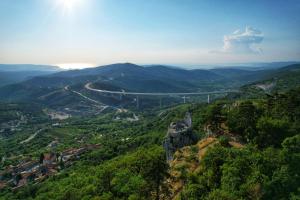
column 245, row 146
column 50, row 91
column 280, row 80
column 135, row 168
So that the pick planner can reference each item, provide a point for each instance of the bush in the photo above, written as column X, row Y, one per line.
column 224, row 141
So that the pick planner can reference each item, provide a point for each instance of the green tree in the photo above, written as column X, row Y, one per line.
column 155, row 167
column 214, row 115
column 126, row 184
column 271, row 132
column 242, row 120
column 285, row 180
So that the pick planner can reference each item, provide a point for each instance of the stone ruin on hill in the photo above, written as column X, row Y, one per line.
column 179, row 135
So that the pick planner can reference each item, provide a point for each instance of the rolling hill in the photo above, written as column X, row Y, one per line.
column 131, row 76
column 280, row 80
column 50, row 90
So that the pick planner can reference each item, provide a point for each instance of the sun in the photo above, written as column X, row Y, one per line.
column 68, row 5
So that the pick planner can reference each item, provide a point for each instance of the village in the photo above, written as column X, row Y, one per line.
column 34, row 171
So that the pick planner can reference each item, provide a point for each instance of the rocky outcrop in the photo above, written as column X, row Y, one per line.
column 179, row 135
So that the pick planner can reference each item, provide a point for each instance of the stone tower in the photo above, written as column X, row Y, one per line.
column 179, row 135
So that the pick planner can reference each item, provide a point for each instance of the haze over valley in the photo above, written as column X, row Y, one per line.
column 162, row 100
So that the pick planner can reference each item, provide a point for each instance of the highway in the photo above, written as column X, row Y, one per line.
column 104, row 106
column 88, row 86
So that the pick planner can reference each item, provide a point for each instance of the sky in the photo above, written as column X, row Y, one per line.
column 85, row 33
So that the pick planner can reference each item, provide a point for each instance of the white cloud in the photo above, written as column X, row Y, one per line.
column 243, row 42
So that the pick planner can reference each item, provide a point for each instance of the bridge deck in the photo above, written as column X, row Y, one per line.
column 88, row 86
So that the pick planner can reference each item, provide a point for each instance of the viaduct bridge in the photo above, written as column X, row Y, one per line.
column 183, row 95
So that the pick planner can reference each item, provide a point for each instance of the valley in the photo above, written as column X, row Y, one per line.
column 149, row 100
column 101, row 131
column 125, row 81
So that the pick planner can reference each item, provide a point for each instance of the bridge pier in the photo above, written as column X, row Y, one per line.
column 137, row 102
column 160, row 102
column 185, row 98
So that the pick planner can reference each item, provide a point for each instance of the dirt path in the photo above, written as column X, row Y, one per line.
column 31, row 136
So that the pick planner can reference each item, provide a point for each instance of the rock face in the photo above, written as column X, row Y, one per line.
column 179, row 135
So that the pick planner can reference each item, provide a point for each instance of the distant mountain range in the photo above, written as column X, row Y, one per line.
column 252, row 66
column 14, row 73
column 51, row 90
column 28, row 67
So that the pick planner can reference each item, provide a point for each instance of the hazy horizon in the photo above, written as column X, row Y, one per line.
column 74, row 66
column 88, row 33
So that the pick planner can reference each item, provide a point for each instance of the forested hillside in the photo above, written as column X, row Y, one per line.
column 56, row 91
column 149, row 100
column 255, row 154
column 280, row 80
column 70, row 143
column 266, row 167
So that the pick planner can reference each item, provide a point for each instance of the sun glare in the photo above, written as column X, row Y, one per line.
column 68, row 5
column 75, row 65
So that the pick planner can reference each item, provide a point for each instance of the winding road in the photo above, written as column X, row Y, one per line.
column 104, row 106
column 31, row 136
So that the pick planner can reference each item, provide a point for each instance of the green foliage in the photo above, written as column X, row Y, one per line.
column 214, row 114
column 224, row 141
column 138, row 175
column 269, row 169
column 271, row 131
column 131, row 162
column 248, row 173
column 266, row 123
column 242, row 120
column 285, row 179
